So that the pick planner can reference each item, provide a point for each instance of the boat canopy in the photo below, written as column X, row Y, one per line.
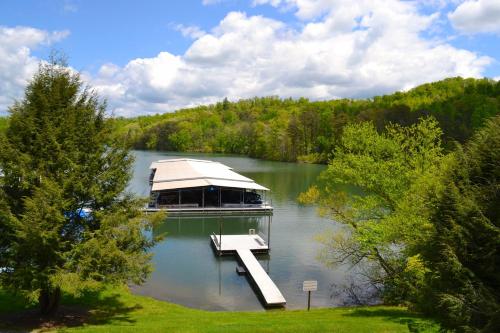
column 188, row 173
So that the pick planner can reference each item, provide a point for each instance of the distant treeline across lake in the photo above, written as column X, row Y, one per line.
column 302, row 130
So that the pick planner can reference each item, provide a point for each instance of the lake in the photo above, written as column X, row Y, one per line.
column 188, row 272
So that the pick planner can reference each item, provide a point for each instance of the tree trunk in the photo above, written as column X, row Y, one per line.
column 49, row 300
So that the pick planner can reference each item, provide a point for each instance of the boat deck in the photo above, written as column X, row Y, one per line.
column 243, row 246
column 195, row 211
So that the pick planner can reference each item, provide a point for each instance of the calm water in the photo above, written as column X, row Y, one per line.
column 187, row 271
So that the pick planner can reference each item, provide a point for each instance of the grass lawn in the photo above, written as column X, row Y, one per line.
column 117, row 310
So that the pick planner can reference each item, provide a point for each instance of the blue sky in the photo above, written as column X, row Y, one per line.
column 157, row 56
column 118, row 31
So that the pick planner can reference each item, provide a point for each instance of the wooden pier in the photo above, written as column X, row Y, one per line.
column 244, row 246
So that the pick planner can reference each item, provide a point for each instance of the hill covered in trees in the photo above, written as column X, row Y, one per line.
column 302, row 130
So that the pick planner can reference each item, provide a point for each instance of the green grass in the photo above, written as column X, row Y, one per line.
column 117, row 310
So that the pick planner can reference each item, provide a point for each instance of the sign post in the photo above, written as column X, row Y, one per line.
column 311, row 285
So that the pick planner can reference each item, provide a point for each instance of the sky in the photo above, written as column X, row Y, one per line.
column 147, row 57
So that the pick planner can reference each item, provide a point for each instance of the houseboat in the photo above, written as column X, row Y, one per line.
column 203, row 187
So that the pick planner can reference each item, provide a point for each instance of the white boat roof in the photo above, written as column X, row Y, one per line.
column 186, row 172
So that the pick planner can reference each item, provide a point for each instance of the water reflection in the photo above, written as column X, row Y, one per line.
column 188, row 272
column 200, row 227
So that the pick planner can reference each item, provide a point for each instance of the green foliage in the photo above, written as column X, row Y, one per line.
column 463, row 253
column 117, row 310
column 380, row 221
column 301, row 130
column 3, row 124
column 59, row 156
column 426, row 224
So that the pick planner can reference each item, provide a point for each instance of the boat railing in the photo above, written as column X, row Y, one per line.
column 240, row 205
column 187, row 205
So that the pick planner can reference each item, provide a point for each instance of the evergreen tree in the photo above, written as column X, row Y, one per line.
column 463, row 255
column 60, row 161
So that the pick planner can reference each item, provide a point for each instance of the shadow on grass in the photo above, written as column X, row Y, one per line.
column 91, row 308
column 415, row 322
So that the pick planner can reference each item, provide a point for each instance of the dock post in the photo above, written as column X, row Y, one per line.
column 220, row 277
column 220, row 236
column 269, row 219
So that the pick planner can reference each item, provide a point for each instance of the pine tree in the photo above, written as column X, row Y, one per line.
column 463, row 254
column 59, row 161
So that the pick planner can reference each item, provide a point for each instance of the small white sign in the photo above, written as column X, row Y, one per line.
column 311, row 285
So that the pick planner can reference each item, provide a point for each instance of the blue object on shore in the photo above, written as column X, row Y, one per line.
column 82, row 213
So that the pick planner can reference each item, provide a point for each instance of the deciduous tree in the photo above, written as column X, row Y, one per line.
column 381, row 215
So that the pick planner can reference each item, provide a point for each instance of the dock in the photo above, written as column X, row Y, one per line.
column 260, row 210
column 244, row 246
column 185, row 186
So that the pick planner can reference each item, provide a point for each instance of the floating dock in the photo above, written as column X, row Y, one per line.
column 244, row 246
column 262, row 210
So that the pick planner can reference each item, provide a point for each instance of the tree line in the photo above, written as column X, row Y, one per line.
column 302, row 130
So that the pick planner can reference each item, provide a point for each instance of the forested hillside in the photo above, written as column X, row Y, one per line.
column 301, row 130
column 291, row 130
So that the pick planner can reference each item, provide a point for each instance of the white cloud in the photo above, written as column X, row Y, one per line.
column 347, row 49
column 70, row 7
column 481, row 16
column 17, row 64
column 191, row 31
column 274, row 3
column 210, row 2
column 305, row 9
column 340, row 49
